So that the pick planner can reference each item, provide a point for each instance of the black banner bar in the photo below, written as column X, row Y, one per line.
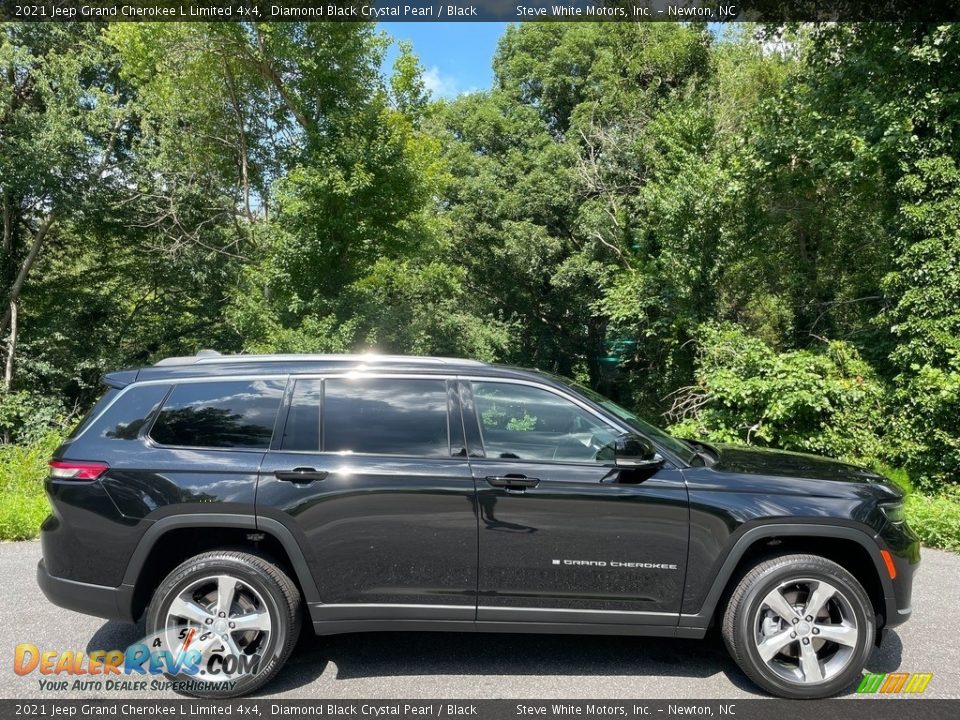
column 771, row 11
column 879, row 708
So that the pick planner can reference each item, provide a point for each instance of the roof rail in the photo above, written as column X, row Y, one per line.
column 205, row 357
column 188, row 359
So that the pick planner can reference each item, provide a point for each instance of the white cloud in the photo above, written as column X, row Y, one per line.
column 440, row 85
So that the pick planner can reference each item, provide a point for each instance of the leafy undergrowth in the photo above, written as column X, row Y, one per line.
column 936, row 519
column 23, row 505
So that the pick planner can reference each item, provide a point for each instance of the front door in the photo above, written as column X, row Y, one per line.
column 564, row 535
column 371, row 475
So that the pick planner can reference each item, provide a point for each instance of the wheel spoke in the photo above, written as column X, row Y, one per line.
column 810, row 664
column 171, row 638
column 203, row 646
column 226, row 587
column 188, row 610
column 259, row 621
column 778, row 603
column 818, row 598
column 840, row 634
column 231, row 646
column 774, row 644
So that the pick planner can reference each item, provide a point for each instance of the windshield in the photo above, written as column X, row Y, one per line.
column 678, row 447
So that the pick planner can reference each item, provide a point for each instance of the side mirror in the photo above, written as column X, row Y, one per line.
column 632, row 452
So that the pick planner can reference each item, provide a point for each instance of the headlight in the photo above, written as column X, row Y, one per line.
column 894, row 512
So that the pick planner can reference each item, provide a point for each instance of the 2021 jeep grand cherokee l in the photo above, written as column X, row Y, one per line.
column 229, row 498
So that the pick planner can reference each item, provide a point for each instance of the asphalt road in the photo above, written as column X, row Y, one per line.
column 474, row 665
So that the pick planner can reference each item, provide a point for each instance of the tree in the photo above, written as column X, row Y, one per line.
column 60, row 134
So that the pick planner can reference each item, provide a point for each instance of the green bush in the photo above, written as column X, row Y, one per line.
column 23, row 505
column 827, row 401
column 936, row 518
column 925, row 429
column 26, row 417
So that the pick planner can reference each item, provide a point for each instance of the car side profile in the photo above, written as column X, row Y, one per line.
column 229, row 499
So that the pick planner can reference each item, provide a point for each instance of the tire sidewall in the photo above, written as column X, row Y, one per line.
column 189, row 573
column 859, row 602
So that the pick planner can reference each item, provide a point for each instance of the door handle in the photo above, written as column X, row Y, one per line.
column 513, row 483
column 301, row 475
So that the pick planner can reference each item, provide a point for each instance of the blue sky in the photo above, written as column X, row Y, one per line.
column 456, row 56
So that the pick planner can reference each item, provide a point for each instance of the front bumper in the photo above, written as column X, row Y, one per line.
column 113, row 603
column 904, row 548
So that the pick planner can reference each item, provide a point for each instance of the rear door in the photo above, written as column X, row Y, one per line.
column 370, row 473
column 564, row 535
column 203, row 448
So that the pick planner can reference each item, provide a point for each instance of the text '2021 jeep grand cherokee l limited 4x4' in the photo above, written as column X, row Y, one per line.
column 228, row 499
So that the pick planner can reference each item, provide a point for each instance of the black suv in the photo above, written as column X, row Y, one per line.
column 227, row 499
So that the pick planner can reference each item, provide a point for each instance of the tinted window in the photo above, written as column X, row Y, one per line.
column 219, row 414
column 302, row 431
column 521, row 422
column 108, row 396
column 382, row 416
column 127, row 416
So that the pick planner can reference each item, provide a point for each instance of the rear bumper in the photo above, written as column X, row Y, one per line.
column 113, row 603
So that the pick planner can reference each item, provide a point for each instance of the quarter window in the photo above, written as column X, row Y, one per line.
column 520, row 422
column 386, row 416
column 229, row 414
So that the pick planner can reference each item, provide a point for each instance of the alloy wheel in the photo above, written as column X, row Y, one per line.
column 806, row 631
column 220, row 615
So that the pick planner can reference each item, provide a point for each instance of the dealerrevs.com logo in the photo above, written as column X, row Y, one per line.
column 190, row 661
column 893, row 683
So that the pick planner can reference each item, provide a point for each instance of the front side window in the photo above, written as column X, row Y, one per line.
column 386, row 416
column 228, row 414
column 521, row 422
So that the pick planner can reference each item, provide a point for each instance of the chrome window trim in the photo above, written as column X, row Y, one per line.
column 375, row 373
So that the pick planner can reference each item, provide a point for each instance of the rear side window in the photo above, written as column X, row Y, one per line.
column 107, row 398
column 121, row 415
column 386, row 416
column 228, row 414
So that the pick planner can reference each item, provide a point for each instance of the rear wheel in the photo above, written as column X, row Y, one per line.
column 800, row 626
column 237, row 614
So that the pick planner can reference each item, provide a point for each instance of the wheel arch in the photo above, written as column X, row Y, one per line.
column 171, row 540
column 852, row 548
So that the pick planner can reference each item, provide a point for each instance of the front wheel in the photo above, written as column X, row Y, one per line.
column 800, row 626
column 230, row 619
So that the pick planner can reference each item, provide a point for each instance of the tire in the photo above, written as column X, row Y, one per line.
column 759, row 637
column 261, row 622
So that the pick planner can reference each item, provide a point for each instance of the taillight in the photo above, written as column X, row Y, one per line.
column 77, row 470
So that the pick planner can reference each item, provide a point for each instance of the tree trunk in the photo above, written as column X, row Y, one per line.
column 31, row 258
column 7, row 225
column 244, row 151
column 11, row 348
column 269, row 73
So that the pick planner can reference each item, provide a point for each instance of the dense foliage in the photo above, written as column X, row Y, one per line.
column 756, row 238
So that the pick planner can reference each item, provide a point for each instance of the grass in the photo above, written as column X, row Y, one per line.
column 936, row 518
column 23, row 504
